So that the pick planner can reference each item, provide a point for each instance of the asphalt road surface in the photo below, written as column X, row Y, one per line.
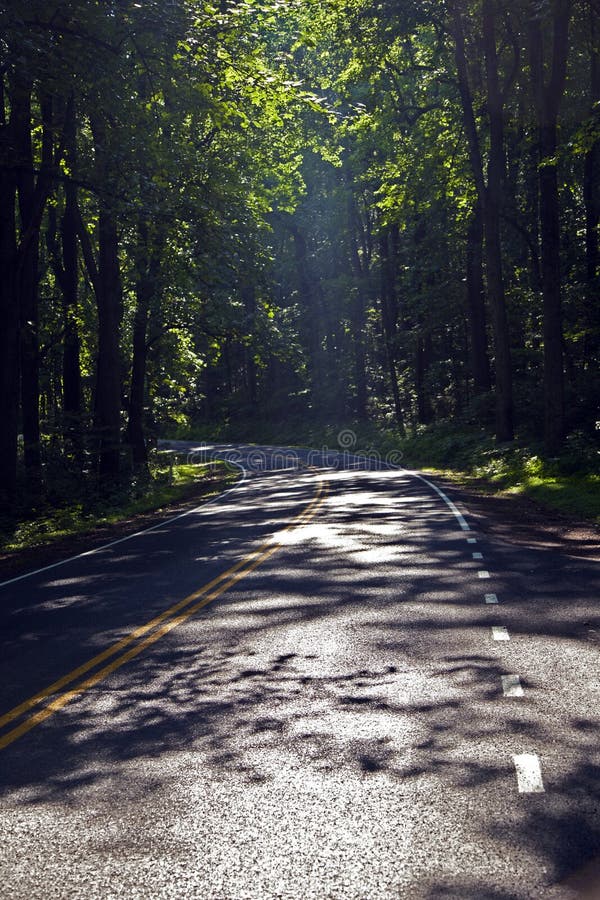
column 324, row 684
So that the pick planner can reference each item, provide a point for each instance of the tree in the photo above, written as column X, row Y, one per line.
column 237, row 215
column 489, row 198
column 548, row 93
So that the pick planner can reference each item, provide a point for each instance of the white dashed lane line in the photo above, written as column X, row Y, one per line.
column 529, row 773
column 511, row 686
column 527, row 765
column 500, row 633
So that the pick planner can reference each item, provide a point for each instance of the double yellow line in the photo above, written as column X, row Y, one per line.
column 154, row 630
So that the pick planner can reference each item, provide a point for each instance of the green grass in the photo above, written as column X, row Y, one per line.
column 575, row 496
column 570, row 495
column 170, row 483
column 568, row 484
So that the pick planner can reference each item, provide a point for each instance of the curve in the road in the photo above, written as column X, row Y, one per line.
column 247, row 459
column 155, row 629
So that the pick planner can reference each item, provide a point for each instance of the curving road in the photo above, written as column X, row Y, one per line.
column 325, row 684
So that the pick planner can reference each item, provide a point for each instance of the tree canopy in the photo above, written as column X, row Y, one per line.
column 220, row 214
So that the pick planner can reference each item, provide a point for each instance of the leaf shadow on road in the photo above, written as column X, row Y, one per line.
column 367, row 657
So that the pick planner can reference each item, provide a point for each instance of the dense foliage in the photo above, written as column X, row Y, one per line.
column 217, row 214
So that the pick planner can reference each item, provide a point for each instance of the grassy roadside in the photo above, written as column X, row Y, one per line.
column 574, row 496
column 170, row 484
column 568, row 484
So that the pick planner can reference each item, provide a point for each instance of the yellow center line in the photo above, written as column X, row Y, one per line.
column 138, row 632
column 170, row 619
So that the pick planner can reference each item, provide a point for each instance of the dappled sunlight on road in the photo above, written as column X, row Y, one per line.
column 353, row 675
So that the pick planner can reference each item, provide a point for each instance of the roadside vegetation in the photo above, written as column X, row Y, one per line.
column 256, row 219
column 169, row 482
column 568, row 483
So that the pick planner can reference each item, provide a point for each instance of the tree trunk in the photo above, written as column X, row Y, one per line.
column 71, row 368
column 249, row 298
column 551, row 291
column 489, row 199
column 591, row 195
column 389, row 316
column 64, row 261
column 27, row 276
column 148, row 265
column 480, row 366
column 9, row 310
column 360, row 354
column 107, row 412
column 135, row 420
column 423, row 362
column 358, row 314
column 312, row 322
column 493, row 245
column 548, row 96
column 135, row 425
column 107, row 419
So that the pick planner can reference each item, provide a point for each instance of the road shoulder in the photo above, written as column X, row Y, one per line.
column 519, row 520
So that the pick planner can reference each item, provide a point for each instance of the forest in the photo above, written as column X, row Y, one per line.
column 247, row 218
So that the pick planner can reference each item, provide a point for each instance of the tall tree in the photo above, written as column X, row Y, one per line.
column 9, row 309
column 548, row 92
column 591, row 186
column 490, row 195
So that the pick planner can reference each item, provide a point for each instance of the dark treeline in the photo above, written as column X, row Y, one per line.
column 220, row 215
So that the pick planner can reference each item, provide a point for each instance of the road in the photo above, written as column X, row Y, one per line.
column 325, row 684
